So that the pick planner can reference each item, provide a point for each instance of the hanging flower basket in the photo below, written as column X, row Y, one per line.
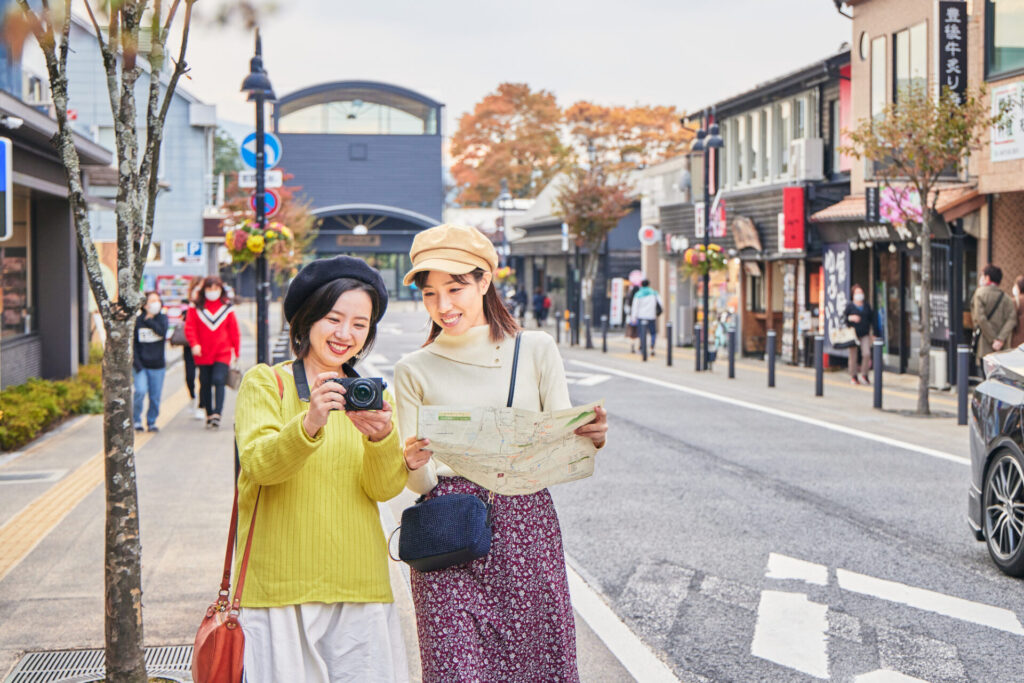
column 245, row 241
column 697, row 261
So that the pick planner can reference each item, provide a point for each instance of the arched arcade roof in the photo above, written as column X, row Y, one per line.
column 375, row 92
column 378, row 210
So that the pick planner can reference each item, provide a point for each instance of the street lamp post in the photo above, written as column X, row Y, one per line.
column 707, row 140
column 257, row 84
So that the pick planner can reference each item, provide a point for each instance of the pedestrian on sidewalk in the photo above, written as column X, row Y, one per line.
column 1018, row 332
column 645, row 311
column 212, row 332
column 189, row 359
column 150, row 362
column 859, row 315
column 992, row 313
column 317, row 604
column 505, row 616
column 540, row 311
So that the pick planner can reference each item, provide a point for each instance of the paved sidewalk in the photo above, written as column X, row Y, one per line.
column 843, row 404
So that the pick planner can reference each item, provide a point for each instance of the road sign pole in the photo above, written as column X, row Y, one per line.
column 262, row 285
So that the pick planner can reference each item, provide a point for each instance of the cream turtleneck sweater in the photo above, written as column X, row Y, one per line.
column 470, row 370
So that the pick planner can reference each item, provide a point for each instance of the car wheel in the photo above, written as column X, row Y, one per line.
column 1003, row 499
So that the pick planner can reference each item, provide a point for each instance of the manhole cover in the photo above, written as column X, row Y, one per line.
column 61, row 665
column 31, row 477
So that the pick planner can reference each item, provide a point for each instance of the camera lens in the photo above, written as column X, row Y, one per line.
column 361, row 393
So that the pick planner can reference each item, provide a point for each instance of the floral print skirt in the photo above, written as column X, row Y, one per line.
column 506, row 616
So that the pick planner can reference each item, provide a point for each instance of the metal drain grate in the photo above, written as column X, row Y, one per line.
column 60, row 665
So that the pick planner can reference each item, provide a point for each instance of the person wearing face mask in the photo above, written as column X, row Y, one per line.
column 150, row 362
column 317, row 602
column 212, row 333
column 861, row 318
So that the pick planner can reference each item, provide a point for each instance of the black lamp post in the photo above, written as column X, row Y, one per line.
column 260, row 91
column 707, row 140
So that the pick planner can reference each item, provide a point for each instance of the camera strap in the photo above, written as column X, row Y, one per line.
column 302, row 384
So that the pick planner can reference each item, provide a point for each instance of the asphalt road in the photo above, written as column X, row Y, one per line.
column 745, row 546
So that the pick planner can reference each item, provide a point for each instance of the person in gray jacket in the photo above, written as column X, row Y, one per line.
column 645, row 310
column 993, row 313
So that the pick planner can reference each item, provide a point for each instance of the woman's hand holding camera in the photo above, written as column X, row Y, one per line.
column 597, row 429
column 416, row 455
column 376, row 424
column 324, row 397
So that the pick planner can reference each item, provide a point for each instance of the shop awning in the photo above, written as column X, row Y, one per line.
column 954, row 202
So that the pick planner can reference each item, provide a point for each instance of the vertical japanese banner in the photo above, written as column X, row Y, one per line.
column 836, row 266
column 952, row 44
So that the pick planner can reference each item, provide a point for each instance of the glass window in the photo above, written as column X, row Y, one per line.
column 741, row 148
column 15, row 282
column 910, row 50
column 766, row 157
column 833, row 113
column 754, row 126
column 878, row 97
column 1004, row 39
column 356, row 117
column 799, row 118
column 726, row 133
column 784, row 133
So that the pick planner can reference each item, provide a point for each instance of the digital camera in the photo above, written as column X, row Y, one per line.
column 363, row 393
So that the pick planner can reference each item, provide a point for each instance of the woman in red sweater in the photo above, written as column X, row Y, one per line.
column 212, row 333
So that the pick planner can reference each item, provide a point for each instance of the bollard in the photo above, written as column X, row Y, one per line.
column 771, row 358
column 963, row 362
column 604, row 334
column 590, row 338
column 819, row 365
column 641, row 326
column 698, row 356
column 732, row 353
column 876, row 359
column 669, row 343
column 558, row 332
column 573, row 330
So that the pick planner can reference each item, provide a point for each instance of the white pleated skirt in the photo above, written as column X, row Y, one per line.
column 324, row 643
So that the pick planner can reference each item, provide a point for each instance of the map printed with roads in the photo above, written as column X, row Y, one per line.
column 508, row 450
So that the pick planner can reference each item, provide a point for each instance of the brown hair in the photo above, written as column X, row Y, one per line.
column 212, row 281
column 193, row 285
column 1020, row 283
column 499, row 319
column 320, row 303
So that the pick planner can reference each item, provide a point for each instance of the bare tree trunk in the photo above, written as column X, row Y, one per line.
column 590, row 274
column 123, row 575
column 924, row 359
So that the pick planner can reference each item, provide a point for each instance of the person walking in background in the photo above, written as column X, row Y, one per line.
column 150, row 362
column 505, row 616
column 540, row 311
column 645, row 309
column 199, row 411
column 212, row 332
column 861, row 318
column 993, row 314
column 1018, row 332
column 318, row 604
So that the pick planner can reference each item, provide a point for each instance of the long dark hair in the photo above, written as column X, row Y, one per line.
column 320, row 303
column 499, row 319
column 212, row 281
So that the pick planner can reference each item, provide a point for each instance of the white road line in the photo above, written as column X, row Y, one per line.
column 887, row 676
column 791, row 631
column 930, row 601
column 931, row 452
column 784, row 567
column 641, row 663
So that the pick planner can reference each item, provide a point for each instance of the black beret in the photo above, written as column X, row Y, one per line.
column 318, row 273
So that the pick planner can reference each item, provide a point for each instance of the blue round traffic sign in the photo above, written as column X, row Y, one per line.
column 271, row 150
column 271, row 203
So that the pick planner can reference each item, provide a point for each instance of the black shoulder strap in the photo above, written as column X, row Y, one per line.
column 302, row 384
column 515, row 366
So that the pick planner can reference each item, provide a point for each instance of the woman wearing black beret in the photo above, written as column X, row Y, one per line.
column 317, row 601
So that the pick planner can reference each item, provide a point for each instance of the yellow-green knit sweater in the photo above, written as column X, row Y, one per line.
column 318, row 534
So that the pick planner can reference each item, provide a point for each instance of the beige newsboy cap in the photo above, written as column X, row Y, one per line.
column 455, row 249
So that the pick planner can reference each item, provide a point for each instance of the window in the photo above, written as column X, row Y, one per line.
column 784, row 128
column 15, row 273
column 357, row 117
column 878, row 97
column 741, row 146
column 766, row 157
column 833, row 113
column 754, row 158
column 910, row 52
column 755, row 293
column 799, row 118
column 1004, row 36
column 725, row 159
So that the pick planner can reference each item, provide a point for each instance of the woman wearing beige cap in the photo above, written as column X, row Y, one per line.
column 506, row 616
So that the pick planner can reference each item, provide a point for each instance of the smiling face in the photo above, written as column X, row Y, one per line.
column 338, row 336
column 453, row 305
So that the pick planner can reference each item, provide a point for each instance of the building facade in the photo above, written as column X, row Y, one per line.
column 368, row 156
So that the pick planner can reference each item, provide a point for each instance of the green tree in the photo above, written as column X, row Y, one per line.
column 914, row 145
column 225, row 154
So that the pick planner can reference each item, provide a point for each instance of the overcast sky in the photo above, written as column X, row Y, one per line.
column 686, row 53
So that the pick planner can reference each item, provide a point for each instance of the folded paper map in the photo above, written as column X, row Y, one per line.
column 507, row 450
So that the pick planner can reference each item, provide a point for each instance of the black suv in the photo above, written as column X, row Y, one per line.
column 995, row 506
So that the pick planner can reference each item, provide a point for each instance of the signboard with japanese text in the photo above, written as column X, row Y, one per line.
column 952, row 43
column 616, row 300
column 836, row 266
column 717, row 218
column 698, row 220
column 938, row 304
column 1008, row 136
column 793, row 217
column 871, row 214
column 788, row 313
